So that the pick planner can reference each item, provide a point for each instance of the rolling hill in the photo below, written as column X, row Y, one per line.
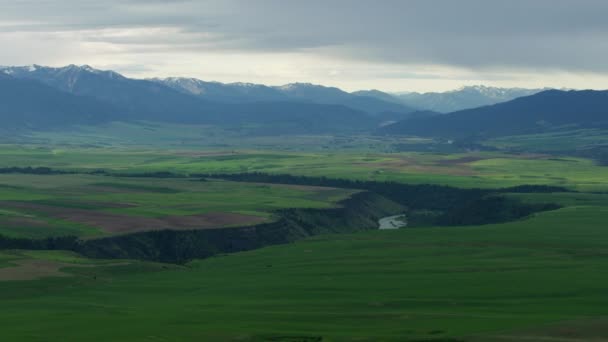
column 331, row 95
column 294, row 92
column 82, row 92
column 41, row 97
column 464, row 98
column 454, row 100
column 33, row 105
column 223, row 92
column 548, row 110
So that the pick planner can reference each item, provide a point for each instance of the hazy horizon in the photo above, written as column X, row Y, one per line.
column 297, row 82
column 393, row 46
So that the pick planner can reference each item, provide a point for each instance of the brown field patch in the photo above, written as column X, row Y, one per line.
column 595, row 329
column 398, row 166
column 532, row 155
column 122, row 223
column 458, row 167
column 459, row 161
column 24, row 222
column 298, row 187
column 32, row 269
column 206, row 154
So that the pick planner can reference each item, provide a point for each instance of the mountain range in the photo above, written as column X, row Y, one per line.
column 30, row 104
column 38, row 97
column 134, row 99
column 454, row 100
column 547, row 110
column 294, row 92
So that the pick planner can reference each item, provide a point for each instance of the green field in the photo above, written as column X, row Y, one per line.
column 166, row 136
column 541, row 278
column 560, row 140
column 496, row 282
column 474, row 169
column 93, row 206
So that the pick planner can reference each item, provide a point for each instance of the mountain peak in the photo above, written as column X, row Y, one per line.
column 89, row 69
column 72, row 69
column 464, row 97
column 541, row 112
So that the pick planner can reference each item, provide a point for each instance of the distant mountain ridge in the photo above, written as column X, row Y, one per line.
column 375, row 102
column 41, row 97
column 540, row 112
column 300, row 92
column 33, row 105
column 465, row 97
column 450, row 101
column 223, row 92
column 135, row 99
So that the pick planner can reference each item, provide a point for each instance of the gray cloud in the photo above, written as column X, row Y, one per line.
column 567, row 35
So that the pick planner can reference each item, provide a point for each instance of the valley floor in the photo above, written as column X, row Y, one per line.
column 541, row 278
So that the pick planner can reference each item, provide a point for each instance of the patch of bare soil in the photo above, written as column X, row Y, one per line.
column 591, row 330
column 402, row 166
column 121, row 223
column 117, row 223
column 458, row 167
column 459, row 161
column 25, row 222
column 32, row 269
column 299, row 187
column 205, row 154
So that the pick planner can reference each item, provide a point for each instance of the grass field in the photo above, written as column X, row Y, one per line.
column 90, row 206
column 181, row 136
column 475, row 169
column 538, row 279
column 562, row 140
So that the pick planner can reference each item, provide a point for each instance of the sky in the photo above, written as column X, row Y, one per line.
column 391, row 45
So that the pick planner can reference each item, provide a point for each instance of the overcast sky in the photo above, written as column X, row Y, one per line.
column 422, row 45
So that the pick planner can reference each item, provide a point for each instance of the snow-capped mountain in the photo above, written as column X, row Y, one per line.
column 223, row 92
column 293, row 92
column 54, row 97
column 464, row 98
column 545, row 111
column 187, row 97
column 65, row 78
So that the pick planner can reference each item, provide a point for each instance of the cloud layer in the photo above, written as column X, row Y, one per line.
column 384, row 44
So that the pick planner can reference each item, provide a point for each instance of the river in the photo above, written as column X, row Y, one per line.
column 392, row 222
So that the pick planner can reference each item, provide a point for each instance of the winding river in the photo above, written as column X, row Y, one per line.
column 392, row 222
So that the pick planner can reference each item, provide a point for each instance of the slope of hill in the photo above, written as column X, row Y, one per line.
column 30, row 104
column 294, row 92
column 532, row 114
column 379, row 95
column 331, row 95
column 463, row 98
column 449, row 101
column 222, row 92
column 132, row 99
column 138, row 99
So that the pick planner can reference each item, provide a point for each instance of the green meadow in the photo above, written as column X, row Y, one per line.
column 473, row 169
column 538, row 279
column 559, row 140
column 541, row 278
column 93, row 206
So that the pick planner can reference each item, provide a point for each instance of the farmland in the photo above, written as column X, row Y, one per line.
column 93, row 206
column 472, row 169
column 539, row 277
column 471, row 283
column 312, row 171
